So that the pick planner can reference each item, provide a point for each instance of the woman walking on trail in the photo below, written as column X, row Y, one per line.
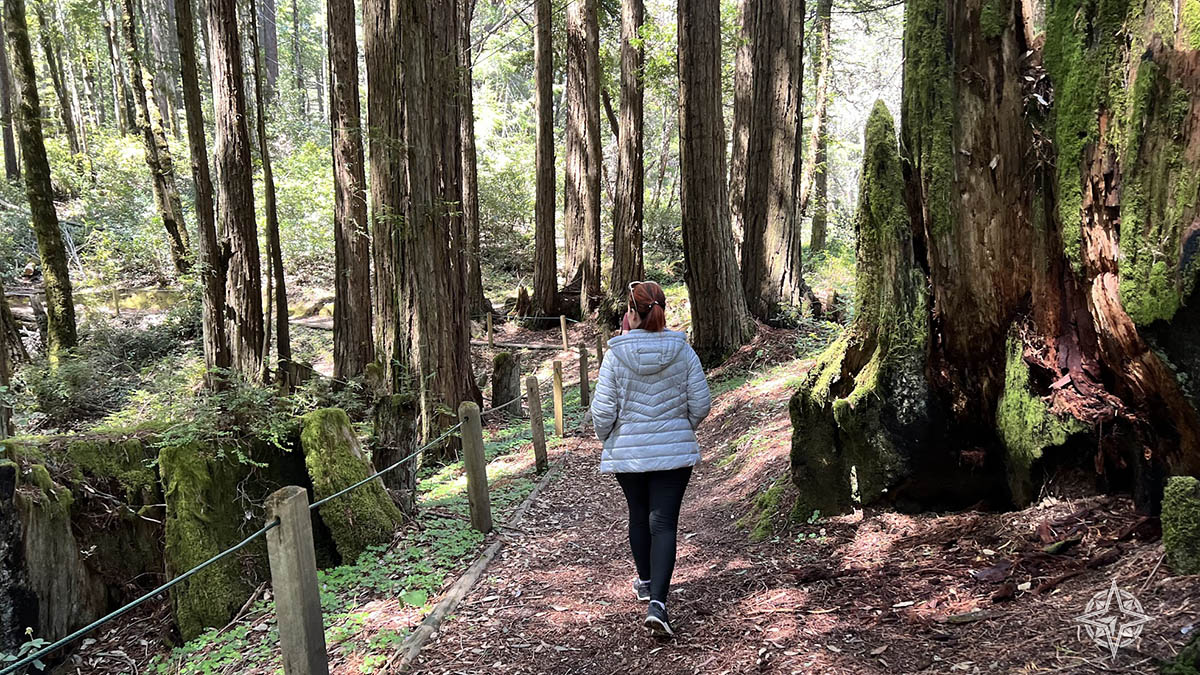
column 651, row 396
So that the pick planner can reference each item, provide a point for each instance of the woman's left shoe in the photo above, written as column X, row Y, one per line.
column 657, row 620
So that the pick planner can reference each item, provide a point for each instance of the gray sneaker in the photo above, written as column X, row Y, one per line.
column 642, row 590
column 657, row 620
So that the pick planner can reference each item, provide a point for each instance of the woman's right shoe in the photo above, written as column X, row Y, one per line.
column 657, row 620
column 641, row 589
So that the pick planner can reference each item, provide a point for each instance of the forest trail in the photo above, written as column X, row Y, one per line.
column 879, row 592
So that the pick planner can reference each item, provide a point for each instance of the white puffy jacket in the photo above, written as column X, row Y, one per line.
column 651, row 396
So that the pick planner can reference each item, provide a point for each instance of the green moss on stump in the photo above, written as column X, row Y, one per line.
column 124, row 460
column 1026, row 425
column 928, row 108
column 1181, row 524
column 203, row 518
column 363, row 517
column 762, row 517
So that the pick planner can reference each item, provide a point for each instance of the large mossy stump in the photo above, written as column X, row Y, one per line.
column 506, row 382
column 862, row 408
column 204, row 517
column 1181, row 524
column 363, row 517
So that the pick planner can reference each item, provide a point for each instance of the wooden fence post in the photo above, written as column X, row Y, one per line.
column 534, row 394
column 491, row 340
column 558, row 399
column 294, row 583
column 585, row 387
column 476, row 467
column 599, row 350
column 562, row 323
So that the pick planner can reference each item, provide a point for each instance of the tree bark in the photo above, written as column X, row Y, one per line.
column 720, row 322
column 816, row 169
column 212, row 264
column 628, row 264
column 235, row 193
column 771, row 244
column 545, row 262
column 12, row 170
column 158, row 152
column 479, row 303
column 60, row 306
column 122, row 110
column 582, row 204
column 397, row 438
column 285, row 374
column 743, row 79
column 268, row 36
column 352, row 345
column 47, row 34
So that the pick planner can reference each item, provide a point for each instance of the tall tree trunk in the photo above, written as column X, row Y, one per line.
column 1060, row 283
column 545, row 260
column 582, row 211
column 235, row 193
column 352, row 346
column 60, row 306
column 771, row 244
column 12, row 171
column 158, row 152
column 815, row 176
column 47, row 34
column 470, row 169
column 630, row 194
column 162, row 62
column 388, row 168
column 720, row 321
column 268, row 37
column 285, row 373
column 297, row 64
column 121, row 110
column 743, row 79
column 212, row 263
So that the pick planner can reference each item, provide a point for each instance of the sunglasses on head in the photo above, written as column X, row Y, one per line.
column 635, row 284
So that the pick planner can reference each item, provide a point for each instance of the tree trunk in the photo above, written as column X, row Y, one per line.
column 470, row 169
column 12, row 171
column 321, row 77
column 212, row 263
column 388, row 168
column 60, row 306
column 297, row 65
column 268, row 37
column 6, row 429
column 121, row 109
column 397, row 438
column 545, row 261
column 771, row 242
column 720, row 322
column 47, row 33
column 815, row 171
column 162, row 62
column 743, row 79
column 285, row 373
column 582, row 211
column 235, row 193
column 158, row 152
column 628, row 206
column 1055, row 232
column 352, row 346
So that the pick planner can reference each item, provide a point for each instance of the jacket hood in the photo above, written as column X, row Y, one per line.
column 647, row 353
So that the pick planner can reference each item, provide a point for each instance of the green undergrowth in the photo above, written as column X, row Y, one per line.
column 413, row 569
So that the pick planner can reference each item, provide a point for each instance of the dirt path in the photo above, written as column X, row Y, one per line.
column 870, row 593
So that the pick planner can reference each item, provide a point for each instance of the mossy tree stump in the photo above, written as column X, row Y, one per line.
column 1181, row 524
column 363, row 517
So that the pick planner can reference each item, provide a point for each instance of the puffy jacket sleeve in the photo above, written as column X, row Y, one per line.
column 698, row 396
column 604, row 401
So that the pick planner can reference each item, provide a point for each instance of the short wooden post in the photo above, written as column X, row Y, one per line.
column 476, row 467
column 585, row 387
column 491, row 340
column 558, row 399
column 599, row 350
column 294, row 583
column 534, row 395
column 562, row 322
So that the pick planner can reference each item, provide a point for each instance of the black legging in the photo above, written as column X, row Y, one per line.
column 654, row 498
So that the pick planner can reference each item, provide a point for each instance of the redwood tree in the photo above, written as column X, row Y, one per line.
column 12, row 170
column 235, row 193
column 814, row 185
column 630, row 194
column 60, row 305
column 582, row 204
column 545, row 259
column 470, row 169
column 352, row 345
column 720, row 321
column 1051, row 187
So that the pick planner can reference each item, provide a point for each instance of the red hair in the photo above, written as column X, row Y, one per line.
column 650, row 303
